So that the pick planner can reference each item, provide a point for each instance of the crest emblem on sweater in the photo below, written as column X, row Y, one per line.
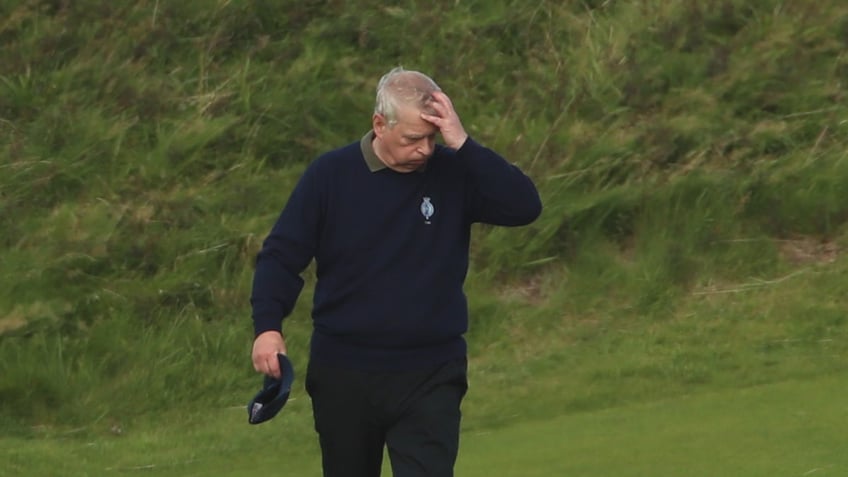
column 427, row 210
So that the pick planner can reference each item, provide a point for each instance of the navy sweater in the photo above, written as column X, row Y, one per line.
column 391, row 252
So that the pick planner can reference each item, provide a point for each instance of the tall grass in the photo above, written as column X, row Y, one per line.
column 691, row 157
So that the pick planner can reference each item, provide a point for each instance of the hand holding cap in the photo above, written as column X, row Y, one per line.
column 274, row 394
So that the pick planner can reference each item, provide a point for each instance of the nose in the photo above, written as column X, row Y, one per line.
column 428, row 144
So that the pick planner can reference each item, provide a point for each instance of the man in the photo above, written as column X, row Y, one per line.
column 388, row 221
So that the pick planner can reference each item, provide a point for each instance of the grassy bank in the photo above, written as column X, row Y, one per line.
column 691, row 159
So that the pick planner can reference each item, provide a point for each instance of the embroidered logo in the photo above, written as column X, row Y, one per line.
column 427, row 210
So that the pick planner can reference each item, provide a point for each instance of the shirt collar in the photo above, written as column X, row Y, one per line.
column 366, row 144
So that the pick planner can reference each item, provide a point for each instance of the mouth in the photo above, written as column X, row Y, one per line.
column 411, row 166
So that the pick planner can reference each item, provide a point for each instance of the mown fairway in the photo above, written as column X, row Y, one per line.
column 793, row 428
column 787, row 429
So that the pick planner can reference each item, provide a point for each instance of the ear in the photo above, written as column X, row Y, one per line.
column 379, row 124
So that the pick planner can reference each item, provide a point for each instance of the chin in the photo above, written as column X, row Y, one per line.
column 411, row 165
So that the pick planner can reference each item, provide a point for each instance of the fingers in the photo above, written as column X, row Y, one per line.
column 272, row 367
column 434, row 120
column 267, row 364
column 265, row 349
column 443, row 116
column 442, row 104
column 443, row 99
column 446, row 120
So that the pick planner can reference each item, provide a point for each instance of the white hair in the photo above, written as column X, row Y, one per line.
column 403, row 87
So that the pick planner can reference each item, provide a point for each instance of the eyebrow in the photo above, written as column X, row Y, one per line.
column 418, row 136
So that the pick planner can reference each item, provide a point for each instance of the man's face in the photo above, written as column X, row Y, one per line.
column 407, row 145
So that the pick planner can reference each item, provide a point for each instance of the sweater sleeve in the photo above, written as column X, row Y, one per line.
column 498, row 193
column 285, row 253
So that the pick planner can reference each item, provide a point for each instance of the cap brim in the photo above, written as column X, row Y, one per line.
column 274, row 394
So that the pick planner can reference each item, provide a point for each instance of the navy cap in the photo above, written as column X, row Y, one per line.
column 274, row 394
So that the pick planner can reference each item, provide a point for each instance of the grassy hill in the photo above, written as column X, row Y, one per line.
column 691, row 157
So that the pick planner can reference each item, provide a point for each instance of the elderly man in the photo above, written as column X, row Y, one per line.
column 388, row 221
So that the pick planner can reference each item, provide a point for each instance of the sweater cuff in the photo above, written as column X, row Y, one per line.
column 263, row 324
column 477, row 156
column 468, row 147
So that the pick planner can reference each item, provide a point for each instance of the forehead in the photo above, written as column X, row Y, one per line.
column 410, row 122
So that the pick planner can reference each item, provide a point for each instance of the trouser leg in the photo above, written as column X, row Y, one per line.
column 416, row 414
column 424, row 439
column 349, row 433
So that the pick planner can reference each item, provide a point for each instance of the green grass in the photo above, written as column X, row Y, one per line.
column 690, row 155
column 789, row 428
column 781, row 429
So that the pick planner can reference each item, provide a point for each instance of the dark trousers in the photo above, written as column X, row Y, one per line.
column 415, row 414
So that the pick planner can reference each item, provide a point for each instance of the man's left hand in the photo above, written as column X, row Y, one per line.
column 446, row 120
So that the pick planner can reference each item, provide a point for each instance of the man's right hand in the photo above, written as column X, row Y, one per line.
column 266, row 346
